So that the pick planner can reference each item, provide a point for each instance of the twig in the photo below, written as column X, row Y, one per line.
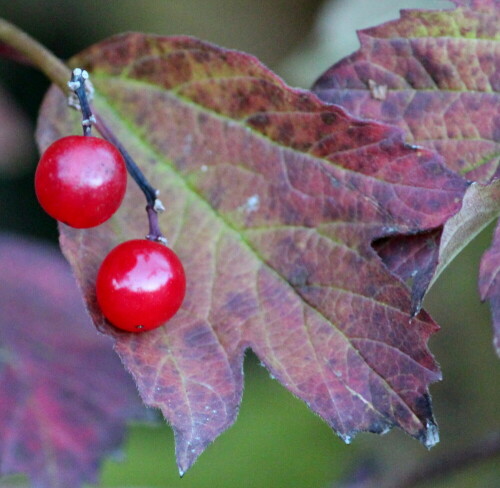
column 153, row 203
column 426, row 472
column 35, row 53
column 486, row 448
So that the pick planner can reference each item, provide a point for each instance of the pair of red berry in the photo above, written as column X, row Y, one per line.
column 81, row 181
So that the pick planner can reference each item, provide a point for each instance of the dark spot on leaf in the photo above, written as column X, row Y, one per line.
column 196, row 335
column 201, row 56
column 286, row 133
column 259, row 120
column 202, row 118
column 328, row 118
column 423, row 407
column 240, row 305
column 378, row 314
column 433, row 205
column 215, row 196
column 402, row 413
column 390, row 110
column 496, row 128
column 305, row 102
column 379, row 426
column 298, row 277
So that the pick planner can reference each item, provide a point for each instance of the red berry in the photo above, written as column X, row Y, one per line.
column 140, row 285
column 81, row 180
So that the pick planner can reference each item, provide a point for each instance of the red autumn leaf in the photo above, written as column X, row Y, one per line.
column 65, row 397
column 414, row 259
column 435, row 74
column 273, row 199
column 440, row 70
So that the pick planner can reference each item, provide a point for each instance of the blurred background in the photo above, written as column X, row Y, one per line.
column 276, row 441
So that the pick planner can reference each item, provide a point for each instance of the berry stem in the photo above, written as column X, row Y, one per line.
column 154, row 205
column 80, row 84
column 450, row 463
column 149, row 192
column 155, row 233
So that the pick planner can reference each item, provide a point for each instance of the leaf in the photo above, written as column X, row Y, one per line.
column 479, row 208
column 489, row 285
column 439, row 71
column 273, row 199
column 491, row 290
column 439, row 75
column 65, row 397
column 414, row 259
column 423, row 257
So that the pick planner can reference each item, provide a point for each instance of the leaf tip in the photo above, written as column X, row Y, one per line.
column 187, row 453
column 185, row 460
column 430, row 436
column 347, row 438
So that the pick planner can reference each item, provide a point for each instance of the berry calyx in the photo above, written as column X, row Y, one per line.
column 81, row 180
column 140, row 285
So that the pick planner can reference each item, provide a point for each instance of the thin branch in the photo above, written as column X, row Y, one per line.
column 149, row 192
column 36, row 54
column 154, row 204
column 369, row 474
column 483, row 450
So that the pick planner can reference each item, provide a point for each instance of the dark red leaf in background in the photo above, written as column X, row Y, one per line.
column 489, row 284
column 273, row 199
column 64, row 396
column 436, row 75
